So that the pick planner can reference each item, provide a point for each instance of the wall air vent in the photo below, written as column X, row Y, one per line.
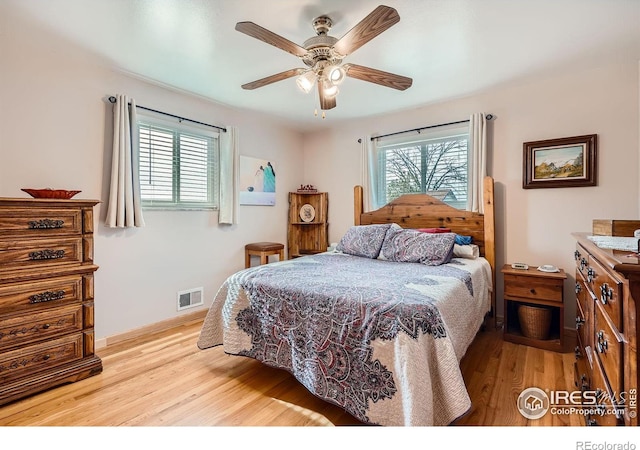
column 190, row 298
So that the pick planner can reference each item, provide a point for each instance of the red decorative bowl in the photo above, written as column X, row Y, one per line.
column 51, row 193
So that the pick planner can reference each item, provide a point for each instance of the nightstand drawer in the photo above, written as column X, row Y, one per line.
column 40, row 357
column 533, row 288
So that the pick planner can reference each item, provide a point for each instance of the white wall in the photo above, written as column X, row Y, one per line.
column 55, row 131
column 55, row 127
column 535, row 225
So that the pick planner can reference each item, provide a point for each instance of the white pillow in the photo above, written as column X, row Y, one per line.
column 469, row 251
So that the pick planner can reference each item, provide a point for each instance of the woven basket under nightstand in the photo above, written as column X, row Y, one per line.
column 535, row 321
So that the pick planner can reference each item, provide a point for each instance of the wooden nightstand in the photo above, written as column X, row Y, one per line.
column 531, row 298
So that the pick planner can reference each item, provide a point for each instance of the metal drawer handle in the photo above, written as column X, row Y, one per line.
column 578, row 288
column 579, row 322
column 46, row 254
column 606, row 293
column 583, row 382
column 577, row 352
column 592, row 423
column 576, row 255
column 45, row 357
column 591, row 274
column 583, row 263
column 46, row 326
column 45, row 224
column 46, row 296
column 603, row 344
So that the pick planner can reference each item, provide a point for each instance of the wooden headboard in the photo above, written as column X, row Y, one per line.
column 424, row 211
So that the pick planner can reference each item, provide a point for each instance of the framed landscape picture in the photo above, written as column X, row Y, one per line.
column 563, row 162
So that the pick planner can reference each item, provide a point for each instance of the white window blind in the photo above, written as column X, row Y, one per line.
column 178, row 167
column 435, row 164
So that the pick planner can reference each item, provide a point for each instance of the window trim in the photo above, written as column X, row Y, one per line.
column 382, row 146
column 213, row 190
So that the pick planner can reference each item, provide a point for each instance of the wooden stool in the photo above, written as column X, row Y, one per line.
column 262, row 249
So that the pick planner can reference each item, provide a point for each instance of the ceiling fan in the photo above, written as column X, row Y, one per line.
column 323, row 55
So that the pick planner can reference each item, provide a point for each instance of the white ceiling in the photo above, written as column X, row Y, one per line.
column 450, row 48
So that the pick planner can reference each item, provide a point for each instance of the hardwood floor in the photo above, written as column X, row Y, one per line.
column 163, row 379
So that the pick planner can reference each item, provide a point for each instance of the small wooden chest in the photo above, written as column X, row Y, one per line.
column 610, row 227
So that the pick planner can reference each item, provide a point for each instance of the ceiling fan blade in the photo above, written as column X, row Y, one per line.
column 273, row 78
column 326, row 102
column 378, row 76
column 379, row 20
column 258, row 32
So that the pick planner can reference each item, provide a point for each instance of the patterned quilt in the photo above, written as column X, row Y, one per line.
column 381, row 339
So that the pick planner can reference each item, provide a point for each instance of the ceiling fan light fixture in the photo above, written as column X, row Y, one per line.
column 335, row 74
column 323, row 55
column 306, row 81
column 330, row 90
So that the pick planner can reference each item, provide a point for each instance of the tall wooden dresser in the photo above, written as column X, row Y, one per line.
column 607, row 290
column 46, row 295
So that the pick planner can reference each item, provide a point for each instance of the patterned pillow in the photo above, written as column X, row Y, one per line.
column 407, row 245
column 363, row 240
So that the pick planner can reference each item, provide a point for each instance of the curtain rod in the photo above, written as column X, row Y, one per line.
column 112, row 99
column 373, row 138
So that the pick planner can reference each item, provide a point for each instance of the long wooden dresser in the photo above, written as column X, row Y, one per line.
column 607, row 288
column 46, row 295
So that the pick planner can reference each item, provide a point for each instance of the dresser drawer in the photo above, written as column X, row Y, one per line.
column 581, row 257
column 607, row 290
column 533, row 288
column 40, row 222
column 583, row 295
column 582, row 325
column 608, row 347
column 40, row 357
column 55, row 291
column 40, row 253
column 19, row 329
column 604, row 413
column 582, row 369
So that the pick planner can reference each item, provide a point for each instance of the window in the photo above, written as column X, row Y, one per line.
column 178, row 166
column 435, row 164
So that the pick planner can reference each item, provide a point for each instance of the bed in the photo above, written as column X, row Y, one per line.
column 382, row 339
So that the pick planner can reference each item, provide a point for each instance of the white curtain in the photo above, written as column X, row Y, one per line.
column 369, row 172
column 125, row 208
column 229, row 173
column 477, row 161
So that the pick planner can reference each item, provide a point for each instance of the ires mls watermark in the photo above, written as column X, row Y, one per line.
column 533, row 403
